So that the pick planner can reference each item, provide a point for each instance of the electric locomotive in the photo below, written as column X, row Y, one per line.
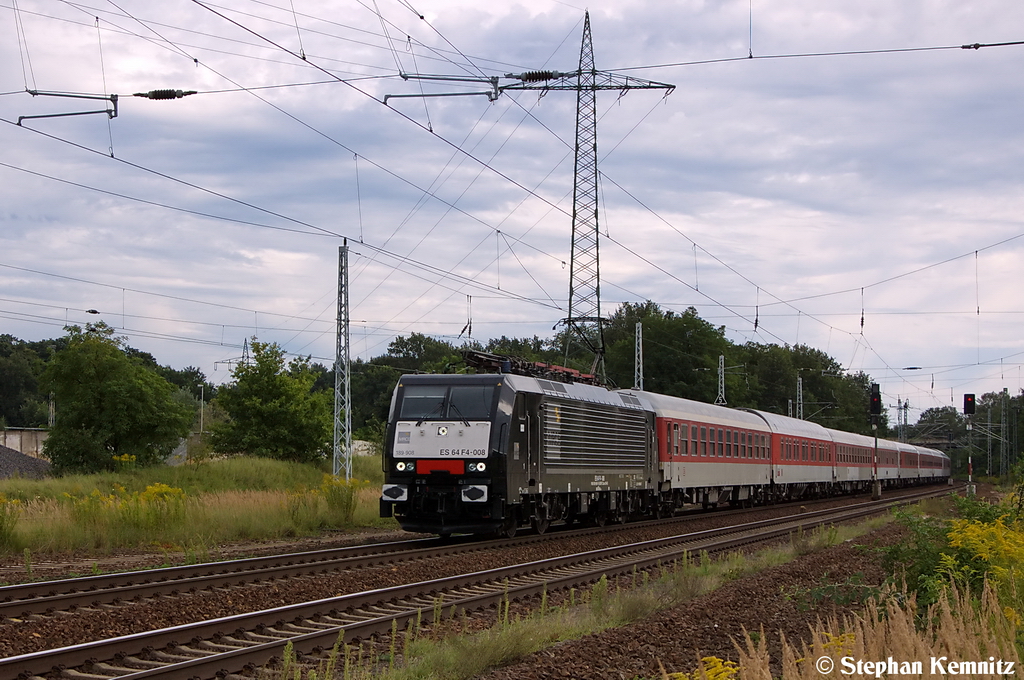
column 486, row 453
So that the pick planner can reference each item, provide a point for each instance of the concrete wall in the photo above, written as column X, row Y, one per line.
column 27, row 440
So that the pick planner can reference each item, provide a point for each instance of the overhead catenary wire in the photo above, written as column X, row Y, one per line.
column 838, row 53
column 456, row 146
column 503, row 235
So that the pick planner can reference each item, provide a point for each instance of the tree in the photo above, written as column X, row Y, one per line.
column 421, row 352
column 21, row 405
column 273, row 411
column 680, row 351
column 108, row 404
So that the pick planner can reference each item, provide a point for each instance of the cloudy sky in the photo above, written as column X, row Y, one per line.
column 855, row 186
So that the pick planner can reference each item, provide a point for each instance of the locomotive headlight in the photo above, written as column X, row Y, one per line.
column 480, row 467
column 403, row 466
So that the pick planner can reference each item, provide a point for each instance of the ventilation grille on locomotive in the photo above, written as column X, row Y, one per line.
column 594, row 436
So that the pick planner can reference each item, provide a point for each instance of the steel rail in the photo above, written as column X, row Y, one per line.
column 261, row 636
column 46, row 597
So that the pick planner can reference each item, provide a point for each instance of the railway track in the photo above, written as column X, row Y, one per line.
column 25, row 600
column 231, row 644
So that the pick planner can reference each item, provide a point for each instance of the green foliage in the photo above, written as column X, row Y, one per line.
column 832, row 397
column 273, row 411
column 9, row 512
column 681, row 351
column 850, row 591
column 917, row 558
column 185, row 507
column 420, row 352
column 372, row 386
column 109, row 405
column 21, row 405
column 229, row 474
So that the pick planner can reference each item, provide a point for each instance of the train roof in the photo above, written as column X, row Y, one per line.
column 852, row 439
column 792, row 426
column 579, row 391
column 686, row 409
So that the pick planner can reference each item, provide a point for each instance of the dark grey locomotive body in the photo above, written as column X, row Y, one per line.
column 488, row 453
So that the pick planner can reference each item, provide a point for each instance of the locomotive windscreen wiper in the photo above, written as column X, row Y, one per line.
column 437, row 408
column 453, row 407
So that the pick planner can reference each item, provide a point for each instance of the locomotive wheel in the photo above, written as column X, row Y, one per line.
column 508, row 529
column 540, row 525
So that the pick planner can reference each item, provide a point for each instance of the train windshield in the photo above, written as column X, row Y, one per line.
column 444, row 402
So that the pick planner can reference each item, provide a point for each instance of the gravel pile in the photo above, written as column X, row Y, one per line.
column 16, row 464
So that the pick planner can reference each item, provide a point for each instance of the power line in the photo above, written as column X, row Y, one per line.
column 840, row 53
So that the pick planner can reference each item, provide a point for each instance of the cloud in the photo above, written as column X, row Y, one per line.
column 220, row 214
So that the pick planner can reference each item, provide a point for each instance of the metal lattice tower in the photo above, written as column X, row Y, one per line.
column 638, row 357
column 584, row 320
column 1004, row 439
column 342, row 382
column 720, row 399
column 585, row 262
column 799, row 398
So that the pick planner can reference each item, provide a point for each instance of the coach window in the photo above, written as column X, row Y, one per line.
column 694, row 448
column 685, row 439
column 711, row 442
column 721, row 452
column 703, row 441
column 675, row 438
column 728, row 443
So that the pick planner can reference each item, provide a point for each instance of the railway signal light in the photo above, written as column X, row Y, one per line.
column 969, row 404
column 876, row 400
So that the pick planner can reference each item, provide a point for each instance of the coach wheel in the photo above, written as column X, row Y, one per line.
column 600, row 518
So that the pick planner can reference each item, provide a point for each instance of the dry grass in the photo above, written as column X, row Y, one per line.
column 958, row 628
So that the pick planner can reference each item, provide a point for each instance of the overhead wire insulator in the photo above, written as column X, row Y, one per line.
column 535, row 76
column 165, row 94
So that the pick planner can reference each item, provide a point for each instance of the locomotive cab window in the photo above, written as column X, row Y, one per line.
column 443, row 402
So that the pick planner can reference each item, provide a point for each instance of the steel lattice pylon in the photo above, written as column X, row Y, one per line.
column 342, row 458
column 585, row 262
column 584, row 319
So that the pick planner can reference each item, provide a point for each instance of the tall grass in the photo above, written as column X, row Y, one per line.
column 169, row 508
column 959, row 627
